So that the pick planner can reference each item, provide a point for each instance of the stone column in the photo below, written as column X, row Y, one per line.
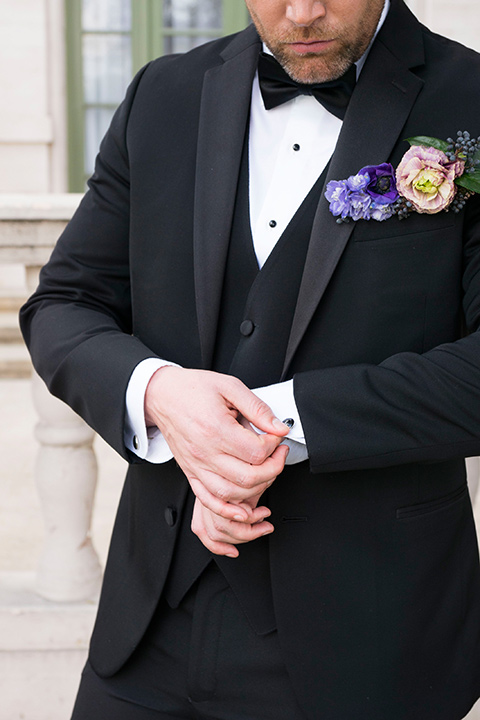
column 66, row 477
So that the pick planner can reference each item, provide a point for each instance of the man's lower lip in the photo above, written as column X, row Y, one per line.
column 303, row 48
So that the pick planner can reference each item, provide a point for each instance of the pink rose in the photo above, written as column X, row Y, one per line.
column 425, row 177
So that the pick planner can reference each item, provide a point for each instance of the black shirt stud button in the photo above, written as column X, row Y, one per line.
column 296, row 147
column 247, row 328
column 136, row 443
column 273, row 223
column 170, row 515
column 289, row 422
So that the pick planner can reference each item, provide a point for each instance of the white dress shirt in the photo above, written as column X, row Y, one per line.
column 289, row 147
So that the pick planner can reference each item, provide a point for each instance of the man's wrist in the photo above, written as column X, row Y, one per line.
column 152, row 391
column 149, row 445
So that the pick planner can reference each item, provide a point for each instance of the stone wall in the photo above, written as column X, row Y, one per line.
column 32, row 91
column 459, row 20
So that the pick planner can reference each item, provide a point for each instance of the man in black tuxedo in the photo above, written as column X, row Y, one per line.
column 359, row 596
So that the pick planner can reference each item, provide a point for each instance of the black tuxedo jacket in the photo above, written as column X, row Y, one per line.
column 374, row 561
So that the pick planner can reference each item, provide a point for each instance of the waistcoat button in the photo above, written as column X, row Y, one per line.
column 247, row 327
column 170, row 515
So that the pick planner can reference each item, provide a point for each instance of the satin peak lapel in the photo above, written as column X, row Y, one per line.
column 224, row 115
column 380, row 105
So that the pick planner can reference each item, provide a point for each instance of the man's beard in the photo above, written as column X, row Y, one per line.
column 317, row 68
column 312, row 68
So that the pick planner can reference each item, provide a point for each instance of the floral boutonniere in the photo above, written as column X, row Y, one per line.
column 433, row 175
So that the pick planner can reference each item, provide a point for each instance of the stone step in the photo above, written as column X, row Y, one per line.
column 9, row 327
column 14, row 361
column 43, row 647
column 11, row 303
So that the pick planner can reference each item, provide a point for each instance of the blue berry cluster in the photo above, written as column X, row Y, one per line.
column 465, row 148
column 402, row 208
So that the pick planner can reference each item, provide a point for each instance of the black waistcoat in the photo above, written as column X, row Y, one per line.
column 253, row 331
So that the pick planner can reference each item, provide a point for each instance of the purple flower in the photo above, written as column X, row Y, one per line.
column 381, row 186
column 381, row 212
column 337, row 194
column 358, row 182
column 360, row 203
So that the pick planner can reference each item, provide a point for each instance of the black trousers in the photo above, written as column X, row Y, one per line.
column 201, row 661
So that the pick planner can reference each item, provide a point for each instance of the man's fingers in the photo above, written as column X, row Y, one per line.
column 239, row 532
column 219, row 495
column 240, row 512
column 225, row 509
column 238, row 440
column 256, row 514
column 217, row 548
column 234, row 481
column 219, row 530
column 254, row 410
column 220, row 536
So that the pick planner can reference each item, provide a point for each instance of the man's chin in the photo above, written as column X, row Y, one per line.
column 311, row 67
column 308, row 70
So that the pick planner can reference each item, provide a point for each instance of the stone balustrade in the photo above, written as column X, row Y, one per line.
column 66, row 470
column 30, row 226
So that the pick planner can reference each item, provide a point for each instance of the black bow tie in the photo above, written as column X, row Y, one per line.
column 277, row 87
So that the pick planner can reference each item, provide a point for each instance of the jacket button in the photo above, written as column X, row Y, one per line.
column 247, row 327
column 170, row 515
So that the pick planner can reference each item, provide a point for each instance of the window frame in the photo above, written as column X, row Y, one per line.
column 147, row 38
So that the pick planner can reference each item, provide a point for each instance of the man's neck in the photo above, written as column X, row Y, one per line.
column 361, row 62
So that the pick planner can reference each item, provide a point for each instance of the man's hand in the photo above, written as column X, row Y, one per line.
column 226, row 464
column 220, row 535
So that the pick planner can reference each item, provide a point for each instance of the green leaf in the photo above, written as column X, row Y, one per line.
column 470, row 181
column 428, row 142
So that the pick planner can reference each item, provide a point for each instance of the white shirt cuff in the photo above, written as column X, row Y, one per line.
column 281, row 400
column 147, row 443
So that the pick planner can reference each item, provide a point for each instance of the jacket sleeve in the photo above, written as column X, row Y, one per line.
column 410, row 408
column 78, row 324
